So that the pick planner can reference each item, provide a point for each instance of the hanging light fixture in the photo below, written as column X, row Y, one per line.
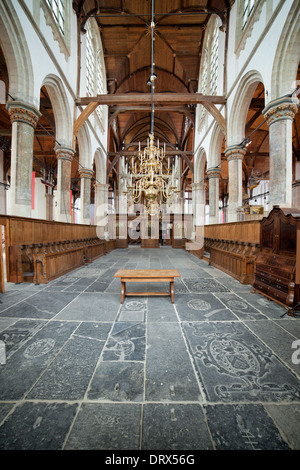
column 148, row 180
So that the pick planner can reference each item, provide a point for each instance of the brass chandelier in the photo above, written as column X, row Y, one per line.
column 149, row 180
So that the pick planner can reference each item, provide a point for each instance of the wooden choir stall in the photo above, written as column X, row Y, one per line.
column 277, row 265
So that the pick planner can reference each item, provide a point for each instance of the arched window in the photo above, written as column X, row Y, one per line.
column 95, row 70
column 247, row 14
column 58, row 11
column 208, row 76
column 247, row 11
column 214, row 60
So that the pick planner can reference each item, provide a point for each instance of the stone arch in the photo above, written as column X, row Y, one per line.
column 199, row 170
column 287, row 55
column 101, row 191
column 214, row 155
column 17, row 55
column 61, row 109
column 240, row 106
column 199, row 196
column 84, row 144
column 100, row 165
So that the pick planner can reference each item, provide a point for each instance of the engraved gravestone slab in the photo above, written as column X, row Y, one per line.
column 43, row 305
column 32, row 358
column 37, row 426
column 68, row 376
column 132, row 310
column 240, row 307
column 174, row 426
column 243, row 427
column 169, row 372
column 234, row 365
column 118, row 381
column 16, row 335
column 127, row 342
column 201, row 307
column 105, row 426
column 202, row 285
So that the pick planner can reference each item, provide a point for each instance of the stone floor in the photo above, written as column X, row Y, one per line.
column 216, row 370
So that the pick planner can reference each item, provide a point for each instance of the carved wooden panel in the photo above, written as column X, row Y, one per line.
column 275, row 266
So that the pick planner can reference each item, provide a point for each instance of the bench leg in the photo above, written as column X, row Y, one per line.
column 172, row 291
column 123, row 291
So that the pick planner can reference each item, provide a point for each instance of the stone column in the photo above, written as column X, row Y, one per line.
column 213, row 175
column 235, row 155
column 86, row 175
column 24, row 118
column 49, row 206
column 101, row 207
column 279, row 115
column 64, row 161
column 199, row 201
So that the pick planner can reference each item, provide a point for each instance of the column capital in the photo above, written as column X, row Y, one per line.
column 23, row 112
column 213, row 172
column 235, row 152
column 64, row 153
column 86, row 173
column 198, row 186
column 102, row 186
column 283, row 108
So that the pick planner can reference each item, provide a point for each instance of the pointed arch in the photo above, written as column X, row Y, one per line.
column 287, row 55
column 214, row 155
column 200, row 164
column 17, row 55
column 61, row 109
column 240, row 107
column 100, row 164
column 84, row 144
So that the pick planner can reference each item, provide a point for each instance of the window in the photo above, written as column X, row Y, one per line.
column 90, row 63
column 95, row 72
column 247, row 11
column 57, row 9
column 209, row 66
column 99, row 80
column 203, row 83
column 214, row 60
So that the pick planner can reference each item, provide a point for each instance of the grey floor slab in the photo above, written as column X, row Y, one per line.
column 90, row 306
column 175, row 427
column 106, row 426
column 235, row 366
column 243, row 427
column 69, row 374
column 37, row 426
column 170, row 374
column 42, row 305
column 214, row 370
column 202, row 307
column 22, row 370
column 118, row 382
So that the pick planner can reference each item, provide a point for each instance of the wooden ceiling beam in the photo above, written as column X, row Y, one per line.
column 193, row 27
column 145, row 98
column 125, row 109
column 168, row 153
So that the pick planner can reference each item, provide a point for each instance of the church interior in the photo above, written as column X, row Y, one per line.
column 150, row 222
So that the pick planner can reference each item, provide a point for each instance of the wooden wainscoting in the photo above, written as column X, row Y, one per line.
column 41, row 250
column 231, row 247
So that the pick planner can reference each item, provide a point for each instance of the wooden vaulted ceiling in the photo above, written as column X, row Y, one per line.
column 124, row 29
column 125, row 33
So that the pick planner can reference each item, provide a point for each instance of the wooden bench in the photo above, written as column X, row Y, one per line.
column 147, row 275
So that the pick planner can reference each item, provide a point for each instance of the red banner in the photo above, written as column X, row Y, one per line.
column 32, row 190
